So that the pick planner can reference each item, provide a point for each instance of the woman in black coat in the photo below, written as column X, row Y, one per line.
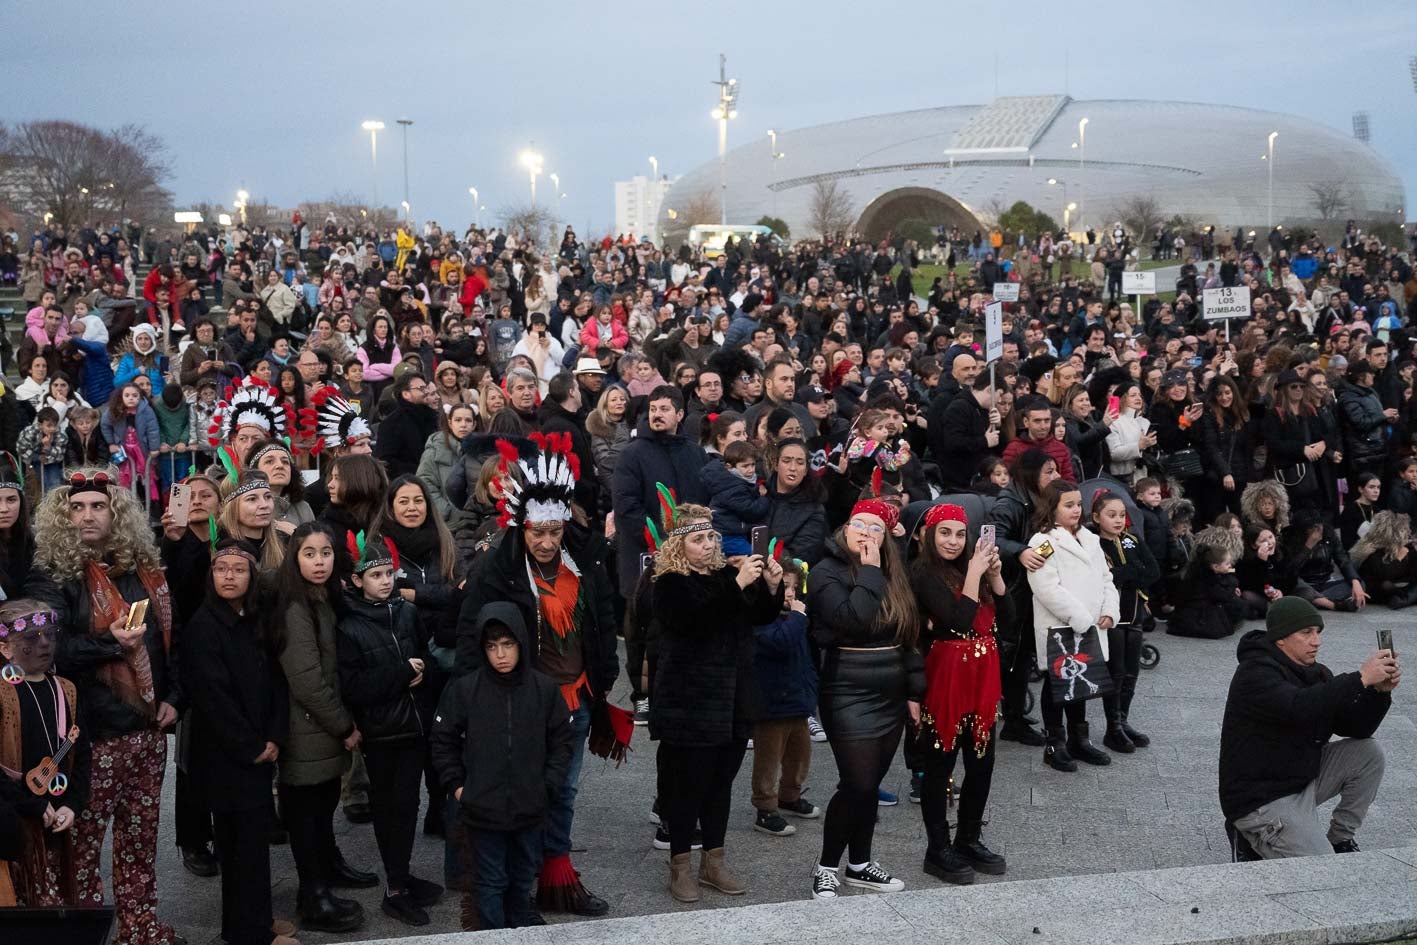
column 1173, row 416
column 240, row 713
column 704, row 687
column 1294, row 441
column 1226, row 447
column 796, row 515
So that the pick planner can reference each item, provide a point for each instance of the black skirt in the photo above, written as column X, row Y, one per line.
column 863, row 693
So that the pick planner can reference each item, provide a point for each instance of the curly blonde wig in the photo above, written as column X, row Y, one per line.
column 1388, row 532
column 671, row 558
column 63, row 556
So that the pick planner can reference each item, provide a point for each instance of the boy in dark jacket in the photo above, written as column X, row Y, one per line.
column 502, row 785
column 381, row 650
column 1156, row 530
column 734, row 496
column 787, row 694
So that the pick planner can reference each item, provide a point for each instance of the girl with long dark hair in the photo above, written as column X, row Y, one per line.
column 961, row 600
column 357, row 486
column 865, row 622
column 1225, row 446
column 1134, row 569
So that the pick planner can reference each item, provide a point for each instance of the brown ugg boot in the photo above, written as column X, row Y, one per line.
column 682, row 884
column 714, row 874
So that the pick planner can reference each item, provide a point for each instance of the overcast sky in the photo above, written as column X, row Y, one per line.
column 271, row 96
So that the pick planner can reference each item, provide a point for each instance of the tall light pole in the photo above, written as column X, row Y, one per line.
column 1272, row 136
column 477, row 214
column 241, row 198
column 1082, row 159
column 776, row 156
column 374, row 127
column 556, row 189
column 654, row 165
column 404, row 123
column 532, row 162
column 1055, row 182
column 727, row 108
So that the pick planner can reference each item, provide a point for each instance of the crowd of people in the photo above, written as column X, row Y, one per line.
column 363, row 516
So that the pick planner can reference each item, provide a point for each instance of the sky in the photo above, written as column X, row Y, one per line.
column 270, row 97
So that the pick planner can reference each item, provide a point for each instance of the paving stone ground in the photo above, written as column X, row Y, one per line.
column 1156, row 808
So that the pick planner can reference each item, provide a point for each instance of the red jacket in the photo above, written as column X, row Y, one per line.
column 472, row 288
column 151, row 284
column 1056, row 449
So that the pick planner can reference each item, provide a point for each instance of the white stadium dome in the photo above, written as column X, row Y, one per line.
column 953, row 165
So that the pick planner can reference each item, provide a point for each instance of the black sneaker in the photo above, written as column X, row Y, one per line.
column 825, row 883
column 661, row 838
column 917, row 781
column 641, row 711
column 772, row 823
column 200, row 861
column 424, row 892
column 872, row 877
column 403, row 908
column 1346, row 846
column 800, row 808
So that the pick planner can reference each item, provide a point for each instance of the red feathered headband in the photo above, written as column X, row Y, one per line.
column 537, row 487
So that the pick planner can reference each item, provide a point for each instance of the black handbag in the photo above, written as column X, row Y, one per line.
column 1182, row 464
column 1291, row 476
column 1076, row 670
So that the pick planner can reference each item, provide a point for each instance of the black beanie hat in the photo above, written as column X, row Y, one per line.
column 1290, row 615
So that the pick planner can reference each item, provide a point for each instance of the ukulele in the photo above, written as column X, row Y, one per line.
column 45, row 778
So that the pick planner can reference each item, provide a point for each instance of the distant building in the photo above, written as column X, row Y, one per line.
column 637, row 203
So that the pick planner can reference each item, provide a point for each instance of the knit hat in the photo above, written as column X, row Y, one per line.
column 1290, row 615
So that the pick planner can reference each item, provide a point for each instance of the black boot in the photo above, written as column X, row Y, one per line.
column 200, row 861
column 969, row 846
column 1117, row 738
column 941, row 860
column 1129, row 689
column 322, row 911
column 1404, row 597
column 1084, row 750
column 1055, row 755
column 1017, row 729
column 344, row 876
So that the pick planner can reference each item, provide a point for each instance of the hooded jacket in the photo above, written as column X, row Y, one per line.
column 505, row 739
column 735, row 502
column 1278, row 717
column 376, row 640
column 651, row 458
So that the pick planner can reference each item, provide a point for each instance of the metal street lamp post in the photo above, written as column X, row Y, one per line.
column 374, row 127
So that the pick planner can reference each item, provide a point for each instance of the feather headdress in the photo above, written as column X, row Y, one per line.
column 370, row 554
column 332, row 420
column 250, row 402
column 537, row 485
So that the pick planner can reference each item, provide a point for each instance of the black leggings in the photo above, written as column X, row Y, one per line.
column 1053, row 712
column 851, row 814
column 1124, row 664
column 309, row 811
column 978, row 778
column 243, row 844
column 395, row 770
column 696, row 788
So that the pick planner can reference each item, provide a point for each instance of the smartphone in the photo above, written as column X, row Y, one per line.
column 137, row 613
column 179, row 503
column 1045, row 550
column 1114, row 405
column 1385, row 639
column 760, row 540
column 646, row 560
column 986, row 535
column 120, row 457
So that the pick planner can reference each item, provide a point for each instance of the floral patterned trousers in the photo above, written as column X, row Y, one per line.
column 126, row 788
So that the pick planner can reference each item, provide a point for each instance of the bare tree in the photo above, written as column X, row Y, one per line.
column 345, row 209
column 994, row 211
column 698, row 207
column 530, row 223
column 1331, row 198
column 76, row 173
column 1140, row 215
column 830, row 210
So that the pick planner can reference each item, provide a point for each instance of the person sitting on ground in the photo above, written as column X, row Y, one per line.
column 1277, row 763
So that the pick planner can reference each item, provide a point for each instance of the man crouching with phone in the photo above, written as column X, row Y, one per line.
column 1277, row 762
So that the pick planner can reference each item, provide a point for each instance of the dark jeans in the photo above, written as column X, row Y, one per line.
column 851, row 813
column 561, row 810
column 309, row 811
column 978, row 778
column 504, row 865
column 696, row 787
column 242, row 844
column 395, row 775
column 193, row 820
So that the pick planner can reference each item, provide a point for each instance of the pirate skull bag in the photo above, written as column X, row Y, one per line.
column 1076, row 669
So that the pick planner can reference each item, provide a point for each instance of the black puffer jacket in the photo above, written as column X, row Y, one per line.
column 505, row 739
column 705, row 686
column 1278, row 717
column 1088, row 441
column 1364, row 426
column 798, row 519
column 651, row 458
column 375, row 643
column 1225, row 450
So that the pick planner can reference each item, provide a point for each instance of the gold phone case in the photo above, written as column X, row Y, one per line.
column 137, row 613
column 1046, row 549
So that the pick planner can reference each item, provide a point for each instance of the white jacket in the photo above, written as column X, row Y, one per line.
column 1124, row 444
column 1073, row 588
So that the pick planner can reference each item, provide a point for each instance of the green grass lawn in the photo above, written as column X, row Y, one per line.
column 925, row 275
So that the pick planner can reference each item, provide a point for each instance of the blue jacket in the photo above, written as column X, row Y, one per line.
column 740, row 331
column 735, row 501
column 782, row 658
column 97, row 380
column 114, row 431
column 128, row 369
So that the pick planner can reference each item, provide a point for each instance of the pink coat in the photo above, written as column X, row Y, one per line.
column 34, row 327
column 590, row 336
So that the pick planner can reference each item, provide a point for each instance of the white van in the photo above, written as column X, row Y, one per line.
column 712, row 236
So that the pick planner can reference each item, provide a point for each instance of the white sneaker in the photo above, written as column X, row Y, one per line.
column 641, row 711
column 872, row 877
column 825, row 883
column 815, row 730
column 750, row 744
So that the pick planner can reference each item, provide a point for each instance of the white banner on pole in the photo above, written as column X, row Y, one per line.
column 1138, row 283
column 993, row 332
column 1226, row 303
column 1006, row 291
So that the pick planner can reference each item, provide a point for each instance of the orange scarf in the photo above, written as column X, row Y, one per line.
column 562, row 609
column 131, row 678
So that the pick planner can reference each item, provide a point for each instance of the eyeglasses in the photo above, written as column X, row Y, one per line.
column 875, row 531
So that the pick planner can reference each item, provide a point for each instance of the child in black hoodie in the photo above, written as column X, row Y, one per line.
column 502, row 784
column 1134, row 570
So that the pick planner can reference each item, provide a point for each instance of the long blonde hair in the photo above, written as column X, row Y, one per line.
column 671, row 559
column 1387, row 532
column 61, row 553
column 272, row 551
